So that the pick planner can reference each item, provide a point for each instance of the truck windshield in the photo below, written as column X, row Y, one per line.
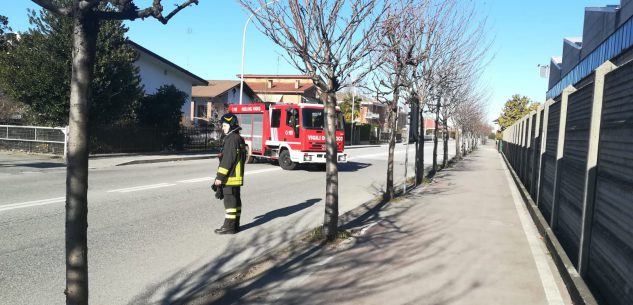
column 314, row 118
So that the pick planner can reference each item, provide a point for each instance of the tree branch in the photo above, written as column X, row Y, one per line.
column 49, row 5
column 129, row 11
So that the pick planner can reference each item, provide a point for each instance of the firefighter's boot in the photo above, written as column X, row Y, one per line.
column 237, row 224
column 227, row 228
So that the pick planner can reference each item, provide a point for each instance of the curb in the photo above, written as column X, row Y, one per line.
column 578, row 289
column 166, row 160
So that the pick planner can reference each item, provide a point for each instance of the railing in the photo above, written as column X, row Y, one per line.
column 34, row 139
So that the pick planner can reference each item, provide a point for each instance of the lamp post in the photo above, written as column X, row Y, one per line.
column 244, row 44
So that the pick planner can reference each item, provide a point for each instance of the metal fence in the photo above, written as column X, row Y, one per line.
column 34, row 139
column 142, row 140
column 577, row 165
column 104, row 140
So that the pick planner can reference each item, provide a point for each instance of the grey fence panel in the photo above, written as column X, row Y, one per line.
column 537, row 155
column 524, row 155
column 530, row 155
column 548, row 166
column 610, row 263
column 573, row 168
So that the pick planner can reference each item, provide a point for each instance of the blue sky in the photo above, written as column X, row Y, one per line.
column 207, row 40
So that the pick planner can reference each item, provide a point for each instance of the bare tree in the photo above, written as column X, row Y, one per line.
column 86, row 16
column 328, row 40
column 433, row 17
column 397, row 47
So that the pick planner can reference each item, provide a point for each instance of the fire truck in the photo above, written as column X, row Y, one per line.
column 291, row 134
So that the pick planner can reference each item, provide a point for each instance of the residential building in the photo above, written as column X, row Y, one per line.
column 282, row 88
column 156, row 71
column 210, row 102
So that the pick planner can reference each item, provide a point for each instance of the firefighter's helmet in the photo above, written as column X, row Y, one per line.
column 230, row 119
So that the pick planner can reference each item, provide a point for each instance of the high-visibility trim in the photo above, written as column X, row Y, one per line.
column 237, row 181
column 223, row 170
column 231, row 210
column 227, row 216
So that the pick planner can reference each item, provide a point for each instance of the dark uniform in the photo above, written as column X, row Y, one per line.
column 231, row 173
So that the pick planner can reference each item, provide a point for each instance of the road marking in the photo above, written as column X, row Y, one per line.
column 27, row 204
column 196, row 180
column 540, row 257
column 204, row 179
column 141, row 188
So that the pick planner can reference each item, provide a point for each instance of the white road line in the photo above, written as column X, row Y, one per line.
column 246, row 174
column 196, row 180
column 536, row 247
column 27, row 204
column 141, row 188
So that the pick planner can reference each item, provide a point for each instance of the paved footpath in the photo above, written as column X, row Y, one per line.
column 464, row 239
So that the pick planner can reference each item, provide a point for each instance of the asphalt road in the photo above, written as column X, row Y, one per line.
column 151, row 225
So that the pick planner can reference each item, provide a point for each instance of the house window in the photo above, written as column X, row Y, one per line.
column 201, row 111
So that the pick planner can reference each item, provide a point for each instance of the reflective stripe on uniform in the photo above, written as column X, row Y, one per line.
column 234, row 181
column 223, row 170
column 231, row 210
column 227, row 216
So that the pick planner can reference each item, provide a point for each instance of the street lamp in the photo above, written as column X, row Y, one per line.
column 244, row 44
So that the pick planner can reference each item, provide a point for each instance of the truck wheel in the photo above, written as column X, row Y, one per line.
column 249, row 156
column 285, row 162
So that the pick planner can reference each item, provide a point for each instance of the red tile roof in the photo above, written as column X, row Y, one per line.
column 262, row 87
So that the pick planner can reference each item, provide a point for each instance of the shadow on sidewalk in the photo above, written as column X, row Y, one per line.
column 283, row 212
column 396, row 252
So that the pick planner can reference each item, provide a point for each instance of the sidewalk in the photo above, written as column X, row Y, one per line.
column 464, row 239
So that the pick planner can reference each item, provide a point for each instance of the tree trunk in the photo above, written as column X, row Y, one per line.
column 446, row 137
column 458, row 144
column 435, row 132
column 419, row 145
column 330, row 222
column 85, row 30
column 389, row 194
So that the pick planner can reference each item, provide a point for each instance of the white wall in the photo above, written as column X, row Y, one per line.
column 155, row 73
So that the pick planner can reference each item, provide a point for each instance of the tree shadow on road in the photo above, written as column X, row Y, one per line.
column 283, row 212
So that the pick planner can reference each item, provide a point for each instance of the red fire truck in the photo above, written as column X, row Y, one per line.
column 290, row 133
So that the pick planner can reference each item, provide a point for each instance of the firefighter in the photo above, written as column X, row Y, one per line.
column 230, row 175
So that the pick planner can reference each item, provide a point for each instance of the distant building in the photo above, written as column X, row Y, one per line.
column 212, row 101
column 156, row 71
column 281, row 88
column 607, row 35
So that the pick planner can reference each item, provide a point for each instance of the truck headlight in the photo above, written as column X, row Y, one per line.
column 307, row 157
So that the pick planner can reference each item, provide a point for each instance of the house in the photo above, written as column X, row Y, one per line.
column 156, row 71
column 282, row 88
column 210, row 102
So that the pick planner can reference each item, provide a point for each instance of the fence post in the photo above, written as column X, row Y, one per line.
column 588, row 201
column 543, row 147
column 533, row 177
column 559, row 154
